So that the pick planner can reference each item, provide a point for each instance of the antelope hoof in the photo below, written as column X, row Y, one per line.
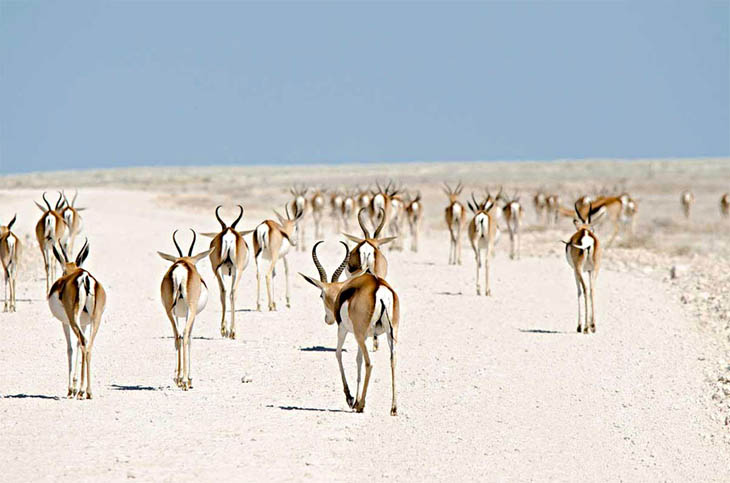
column 288, row 304
column 88, row 395
column 359, row 406
column 488, row 293
column 350, row 401
column 258, row 307
column 593, row 329
column 190, row 384
column 71, row 393
column 224, row 332
column 80, row 395
column 232, row 335
column 394, row 411
column 578, row 329
column 272, row 307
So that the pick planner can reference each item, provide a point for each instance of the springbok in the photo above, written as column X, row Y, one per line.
column 553, row 209
column 49, row 231
column 414, row 213
column 541, row 207
column 336, row 198
column 10, row 255
column 317, row 203
column 455, row 215
column 513, row 214
column 363, row 198
column 366, row 306
column 272, row 241
column 687, row 199
column 381, row 205
column 482, row 232
column 347, row 209
column 299, row 207
column 583, row 252
column 228, row 258
column 72, row 218
column 614, row 207
column 77, row 299
column 184, row 295
column 725, row 205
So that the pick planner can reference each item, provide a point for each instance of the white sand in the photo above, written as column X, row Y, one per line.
column 498, row 388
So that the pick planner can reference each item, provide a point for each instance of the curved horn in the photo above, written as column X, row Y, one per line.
column 381, row 225
column 76, row 195
column 338, row 272
column 577, row 212
column 320, row 268
column 240, row 215
column 286, row 209
column 59, row 203
column 218, row 217
column 47, row 203
column 174, row 240
column 362, row 222
column 476, row 203
column 190, row 252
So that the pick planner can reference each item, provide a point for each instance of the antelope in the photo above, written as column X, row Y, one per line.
column 336, row 208
column 541, row 207
column 613, row 207
column 583, row 252
column 725, row 205
column 631, row 209
column 72, row 218
column 347, row 209
column 366, row 306
column 184, row 295
column 363, row 198
column 455, row 217
column 272, row 241
column 482, row 232
column 77, row 299
column 228, row 258
column 513, row 214
column 381, row 204
column 553, row 208
column 49, row 231
column 395, row 227
column 414, row 214
column 317, row 203
column 299, row 208
column 687, row 199
column 10, row 255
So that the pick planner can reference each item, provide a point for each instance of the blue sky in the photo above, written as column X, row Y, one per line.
column 95, row 85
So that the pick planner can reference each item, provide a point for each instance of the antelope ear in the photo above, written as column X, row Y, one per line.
column 167, row 257
column 80, row 209
column 40, row 207
column 385, row 241
column 352, row 238
column 281, row 218
column 597, row 215
column 209, row 234
column 200, row 256
column 577, row 222
column 81, row 257
column 468, row 203
column 311, row 280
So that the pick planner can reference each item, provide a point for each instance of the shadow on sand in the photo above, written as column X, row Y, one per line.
column 319, row 348
column 449, row 293
column 120, row 387
column 30, row 396
column 543, row 331
column 319, row 410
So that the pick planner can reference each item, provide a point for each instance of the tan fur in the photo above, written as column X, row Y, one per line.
column 360, row 296
column 277, row 233
column 541, row 208
column 584, row 258
column 687, row 199
column 10, row 256
column 553, row 208
column 414, row 214
column 455, row 223
column 725, row 205
column 223, row 267
column 299, row 207
column 170, row 297
column 66, row 288
column 513, row 214
column 613, row 207
column 483, row 240
column 317, row 204
column 58, row 236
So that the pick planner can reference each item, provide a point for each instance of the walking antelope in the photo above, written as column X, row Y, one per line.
column 381, row 205
column 299, row 208
column 366, row 306
column 414, row 213
column 317, row 203
column 347, row 209
column 614, row 209
column 513, row 214
column 363, row 198
column 725, row 205
column 553, row 208
column 72, row 218
column 272, row 241
column 77, row 299
column 49, row 231
column 455, row 218
column 10, row 254
column 687, row 199
column 336, row 208
column 228, row 258
column 541, row 207
column 630, row 211
column 184, row 295
column 583, row 252
column 482, row 232
column 395, row 226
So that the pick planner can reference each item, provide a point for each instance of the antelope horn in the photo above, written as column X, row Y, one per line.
column 286, row 210
column 577, row 212
column 218, row 217
column 362, row 223
column 240, row 215
column 174, row 240
column 59, row 203
column 76, row 195
column 190, row 252
column 476, row 204
column 47, row 203
column 382, row 223
column 338, row 272
column 320, row 268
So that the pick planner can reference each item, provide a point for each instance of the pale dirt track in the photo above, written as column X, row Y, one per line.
column 497, row 388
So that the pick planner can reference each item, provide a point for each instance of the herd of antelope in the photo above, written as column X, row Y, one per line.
column 363, row 304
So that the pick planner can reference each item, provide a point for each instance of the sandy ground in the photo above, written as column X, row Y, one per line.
column 497, row 388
